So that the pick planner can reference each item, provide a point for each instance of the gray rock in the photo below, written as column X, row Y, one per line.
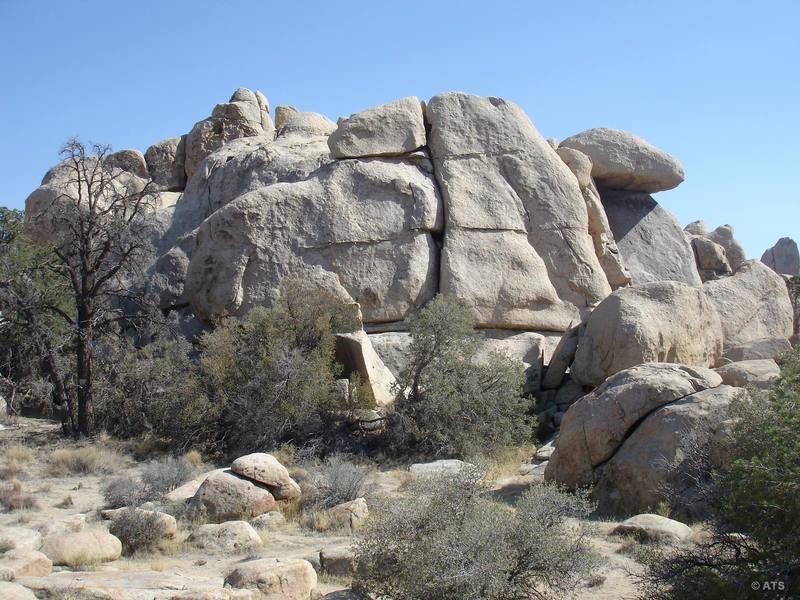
column 753, row 304
column 393, row 348
column 438, row 467
column 231, row 536
column 649, row 238
column 760, row 373
column 664, row 321
column 367, row 221
column 166, row 163
column 757, row 349
column 562, row 357
column 338, row 562
column 275, row 579
column 783, row 257
column 623, row 161
column 355, row 352
column 594, row 427
column 649, row 527
column 652, row 458
column 265, row 469
column 513, row 207
column 390, row 129
column 224, row 496
column 723, row 235
column 305, row 125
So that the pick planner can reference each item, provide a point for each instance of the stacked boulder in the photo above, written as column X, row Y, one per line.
column 251, row 487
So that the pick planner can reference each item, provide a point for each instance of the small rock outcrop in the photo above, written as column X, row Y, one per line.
column 85, row 547
column 231, row 536
column 654, row 528
column 224, row 496
column 783, row 257
column 760, row 373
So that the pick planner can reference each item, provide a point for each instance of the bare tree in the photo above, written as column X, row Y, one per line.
column 99, row 251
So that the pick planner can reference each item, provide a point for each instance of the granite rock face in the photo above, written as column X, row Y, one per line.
column 783, row 257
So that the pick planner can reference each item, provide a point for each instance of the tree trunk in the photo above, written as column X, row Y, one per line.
column 84, row 372
column 61, row 402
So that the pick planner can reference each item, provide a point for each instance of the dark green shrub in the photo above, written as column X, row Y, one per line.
column 754, row 498
column 444, row 539
column 450, row 403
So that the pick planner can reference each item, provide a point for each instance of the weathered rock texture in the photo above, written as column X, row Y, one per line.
column 753, row 304
column 630, row 436
column 513, row 207
column 665, row 321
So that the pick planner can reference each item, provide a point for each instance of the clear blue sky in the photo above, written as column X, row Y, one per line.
column 715, row 83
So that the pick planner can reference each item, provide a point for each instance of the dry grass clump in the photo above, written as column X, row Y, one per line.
column 18, row 453
column 13, row 498
column 83, row 460
column 139, row 531
column 157, row 478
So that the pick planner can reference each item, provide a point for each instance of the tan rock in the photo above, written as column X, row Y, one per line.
column 225, row 496
column 14, row 591
column 624, row 161
column 231, row 536
column 355, row 352
column 25, row 563
column 292, row 579
column 664, row 321
column 596, row 425
column 752, row 304
column 758, row 373
column 649, row 527
column 265, row 469
column 85, row 547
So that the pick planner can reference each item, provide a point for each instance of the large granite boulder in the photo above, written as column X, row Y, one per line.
column 296, row 124
column 653, row 458
column 757, row 349
column 664, row 321
column 649, row 238
column 390, row 129
column 595, row 426
column 245, row 115
column 783, row 257
column 225, row 496
column 753, row 304
column 623, row 161
column 369, row 221
column 354, row 350
column 513, row 207
column 231, row 536
column 85, row 547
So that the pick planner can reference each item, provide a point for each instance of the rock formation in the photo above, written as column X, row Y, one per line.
column 783, row 257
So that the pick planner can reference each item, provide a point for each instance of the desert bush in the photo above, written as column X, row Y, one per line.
column 450, row 404
column 12, row 497
column 83, row 460
column 334, row 481
column 157, row 478
column 445, row 539
column 139, row 531
column 754, row 497
column 18, row 453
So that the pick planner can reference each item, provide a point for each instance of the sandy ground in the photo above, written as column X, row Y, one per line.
column 179, row 567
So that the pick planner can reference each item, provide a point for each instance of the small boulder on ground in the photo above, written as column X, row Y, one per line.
column 650, row 527
column 338, row 562
column 226, row 496
column 24, row 563
column 265, row 468
column 268, row 521
column 14, row 591
column 350, row 514
column 231, row 536
column 85, row 547
column 275, row 579
column 449, row 466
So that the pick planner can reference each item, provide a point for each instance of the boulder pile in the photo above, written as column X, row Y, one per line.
column 566, row 260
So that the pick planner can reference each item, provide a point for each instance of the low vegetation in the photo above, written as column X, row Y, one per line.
column 334, row 481
column 12, row 497
column 156, row 479
column 445, row 539
column 451, row 402
column 753, row 534
column 138, row 530
column 83, row 460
